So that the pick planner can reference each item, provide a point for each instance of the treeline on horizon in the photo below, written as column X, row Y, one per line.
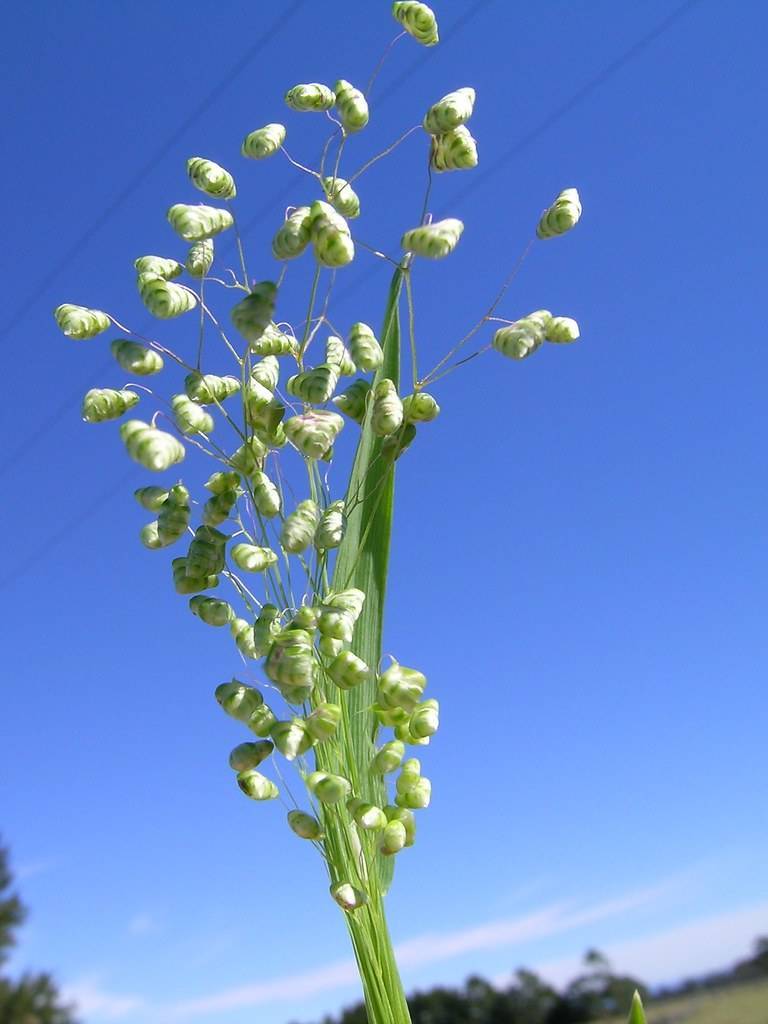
column 595, row 994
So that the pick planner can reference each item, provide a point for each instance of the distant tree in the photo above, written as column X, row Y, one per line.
column 596, row 993
column 34, row 998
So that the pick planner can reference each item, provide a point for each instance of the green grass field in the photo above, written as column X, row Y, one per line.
column 743, row 1004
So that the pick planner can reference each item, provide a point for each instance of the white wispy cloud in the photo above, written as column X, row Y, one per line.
column 91, row 1000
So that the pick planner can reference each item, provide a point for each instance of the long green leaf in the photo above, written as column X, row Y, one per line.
column 363, row 560
column 636, row 1013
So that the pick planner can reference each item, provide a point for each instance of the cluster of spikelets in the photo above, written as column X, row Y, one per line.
column 305, row 651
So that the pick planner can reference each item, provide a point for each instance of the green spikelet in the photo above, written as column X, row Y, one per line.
column 330, row 530
column 164, row 299
column 328, row 788
column 434, row 241
column 265, row 628
column 348, row 897
column 352, row 402
column 101, row 404
column 330, row 234
column 291, row 664
column 265, row 495
column 315, row 385
column 211, row 178
column 313, row 433
column 207, row 552
column 219, row 507
column 211, row 610
column 135, row 358
column 562, row 215
column 186, row 584
column 242, row 633
column 351, row 105
column 193, row 223
column 253, row 315
column 392, row 838
column 312, row 97
column 160, row 265
column 342, row 197
column 522, row 338
column 364, row 348
column 366, row 816
column 393, row 446
column 238, row 700
column 387, row 411
column 424, row 720
column 401, row 687
column 249, row 755
column 266, row 372
column 418, row 20
column 219, row 483
column 420, row 408
column 249, row 457
column 256, row 786
column 200, row 257
column 562, row 330
column 348, row 671
column 291, row 738
column 189, row 417
column 207, row 388
column 324, row 721
column 173, row 518
column 151, row 498
column 263, row 142
column 336, row 355
column 406, row 817
column 299, row 527
column 292, row 237
column 149, row 536
column 79, row 322
column 453, row 110
column 454, row 151
column 304, row 825
column 275, row 342
column 152, row 448
column 251, row 558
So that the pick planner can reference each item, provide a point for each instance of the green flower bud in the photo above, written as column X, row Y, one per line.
column 331, row 237
column 425, row 719
column 391, row 717
column 238, row 700
column 162, row 266
column 313, row 97
column 173, row 519
column 433, row 241
column 562, row 329
column 211, row 178
column 393, row 446
column 304, row 825
column 406, row 817
column 388, row 757
column 351, row 105
column 79, row 322
column 454, row 151
column 164, row 299
column 522, row 338
column 265, row 628
column 249, row 457
column 562, row 215
column 183, row 583
column 324, row 721
column 410, row 773
column 263, row 142
column 275, row 342
column 194, row 223
column 266, row 372
column 352, row 402
column 305, row 618
column 211, row 610
column 366, row 816
column 256, row 786
column 219, row 507
column 253, row 314
column 453, row 110
column 387, row 412
column 151, row 498
column 401, row 687
column 102, row 404
column 150, row 537
column 348, row 897
column 292, row 237
column 329, row 789
column 136, row 358
column 316, row 385
column 251, row 558
column 200, row 258
column 330, row 647
column 261, row 721
column 350, row 600
column 207, row 388
column 336, row 355
column 417, row 797
column 392, row 838
column 299, row 527
column 291, row 662
column 348, row 671
column 152, row 448
column 291, row 738
column 249, row 755
column 404, row 734
column 418, row 20
column 331, row 528
column 420, row 407
column 342, row 197
column 364, row 348
column 339, row 613
column 266, row 495
column 242, row 632
column 189, row 417
column 206, row 555
column 314, row 432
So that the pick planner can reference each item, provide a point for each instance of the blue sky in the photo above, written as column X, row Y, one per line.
column 579, row 557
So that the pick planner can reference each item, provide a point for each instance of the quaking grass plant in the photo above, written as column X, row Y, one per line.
column 300, row 585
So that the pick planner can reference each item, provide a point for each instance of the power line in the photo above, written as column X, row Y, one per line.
column 44, row 283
